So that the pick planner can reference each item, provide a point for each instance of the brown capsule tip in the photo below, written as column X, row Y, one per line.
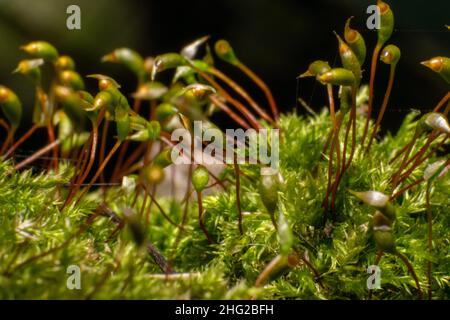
column 325, row 77
column 62, row 92
column 293, row 260
column 384, row 7
column 110, row 57
column 350, row 34
column 4, row 94
column 104, row 84
column 386, row 57
column 148, row 64
column 436, row 64
column 155, row 174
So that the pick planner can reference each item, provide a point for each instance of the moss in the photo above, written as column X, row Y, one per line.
column 116, row 267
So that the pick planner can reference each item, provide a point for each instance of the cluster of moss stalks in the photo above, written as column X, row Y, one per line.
column 341, row 200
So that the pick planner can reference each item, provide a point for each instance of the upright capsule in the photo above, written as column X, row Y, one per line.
column 356, row 42
column 225, row 52
column 386, row 22
column 349, row 59
column 200, row 178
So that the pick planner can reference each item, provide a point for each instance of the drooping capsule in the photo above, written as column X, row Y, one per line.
column 316, row 68
column 356, row 42
column 164, row 158
column 440, row 65
column 225, row 52
column 197, row 92
column 337, row 76
column 41, row 49
column 435, row 169
column 165, row 110
column 104, row 82
column 71, row 79
column 103, row 99
column 200, row 178
column 378, row 200
column 386, row 22
column 390, row 55
column 150, row 91
column 130, row 58
column 190, row 50
column 434, row 121
column 30, row 68
column 11, row 106
column 167, row 61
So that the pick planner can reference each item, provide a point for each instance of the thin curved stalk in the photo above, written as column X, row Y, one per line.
column 383, row 107
column 373, row 68
column 100, row 170
column 263, row 86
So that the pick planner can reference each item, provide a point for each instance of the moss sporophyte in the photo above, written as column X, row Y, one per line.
column 285, row 207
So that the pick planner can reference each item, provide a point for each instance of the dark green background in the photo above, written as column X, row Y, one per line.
column 276, row 38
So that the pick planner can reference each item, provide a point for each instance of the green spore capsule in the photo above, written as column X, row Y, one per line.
column 41, row 49
column 440, row 65
column 349, row 59
column 71, row 79
column 390, row 55
column 164, row 158
column 154, row 174
column 434, row 121
column 167, row 61
column 378, row 200
column 384, row 239
column 316, row 68
column 386, row 23
column 30, row 68
column 337, row 76
column 150, row 91
column 269, row 185
column 190, row 50
column 64, row 63
column 225, row 52
column 356, row 42
column 130, row 58
column 165, row 110
column 11, row 106
column 200, row 178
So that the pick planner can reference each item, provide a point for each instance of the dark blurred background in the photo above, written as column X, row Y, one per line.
column 277, row 39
